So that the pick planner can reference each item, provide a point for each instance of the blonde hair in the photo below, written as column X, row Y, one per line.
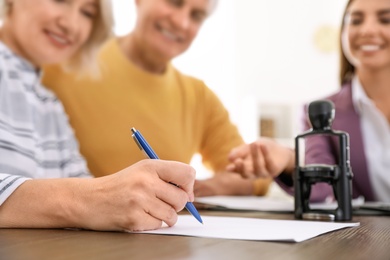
column 85, row 59
column 4, row 8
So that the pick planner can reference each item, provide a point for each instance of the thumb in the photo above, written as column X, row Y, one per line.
column 239, row 152
column 270, row 164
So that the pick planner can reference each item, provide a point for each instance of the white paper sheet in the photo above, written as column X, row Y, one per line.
column 248, row 203
column 250, row 228
column 264, row 203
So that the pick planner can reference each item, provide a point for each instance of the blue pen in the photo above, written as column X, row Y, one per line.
column 145, row 147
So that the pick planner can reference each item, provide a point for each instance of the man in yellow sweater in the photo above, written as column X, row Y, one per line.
column 138, row 87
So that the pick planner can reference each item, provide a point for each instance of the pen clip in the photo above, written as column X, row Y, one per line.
column 136, row 141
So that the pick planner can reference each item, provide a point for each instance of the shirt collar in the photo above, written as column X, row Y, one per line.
column 20, row 62
column 24, row 66
column 359, row 96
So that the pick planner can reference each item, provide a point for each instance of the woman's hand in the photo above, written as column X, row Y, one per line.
column 141, row 197
column 137, row 198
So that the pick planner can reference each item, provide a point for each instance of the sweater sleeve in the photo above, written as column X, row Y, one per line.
column 220, row 135
column 8, row 184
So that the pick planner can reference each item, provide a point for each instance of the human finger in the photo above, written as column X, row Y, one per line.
column 256, row 160
column 241, row 168
column 171, row 194
column 252, row 165
column 162, row 211
column 178, row 173
column 231, row 167
column 270, row 163
column 237, row 166
column 142, row 221
column 241, row 151
column 262, row 160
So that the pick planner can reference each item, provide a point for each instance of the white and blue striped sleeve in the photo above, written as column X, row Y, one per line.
column 8, row 184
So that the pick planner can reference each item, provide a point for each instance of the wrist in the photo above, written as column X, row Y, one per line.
column 291, row 163
column 232, row 184
column 245, row 188
column 76, row 202
column 48, row 203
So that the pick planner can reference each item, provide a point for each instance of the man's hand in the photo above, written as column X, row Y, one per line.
column 263, row 158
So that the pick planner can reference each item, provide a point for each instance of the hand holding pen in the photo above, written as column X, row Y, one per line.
column 145, row 147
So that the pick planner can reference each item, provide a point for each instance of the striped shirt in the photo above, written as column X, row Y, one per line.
column 36, row 140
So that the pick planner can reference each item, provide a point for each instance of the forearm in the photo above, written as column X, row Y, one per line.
column 242, row 187
column 48, row 203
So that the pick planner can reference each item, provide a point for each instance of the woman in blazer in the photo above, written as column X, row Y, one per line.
column 362, row 109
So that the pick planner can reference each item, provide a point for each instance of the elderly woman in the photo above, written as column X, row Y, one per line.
column 39, row 155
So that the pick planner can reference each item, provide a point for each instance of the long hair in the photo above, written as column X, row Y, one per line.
column 346, row 68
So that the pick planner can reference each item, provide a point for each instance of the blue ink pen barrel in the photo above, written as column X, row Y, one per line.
column 147, row 149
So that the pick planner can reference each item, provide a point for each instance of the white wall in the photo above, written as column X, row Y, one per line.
column 277, row 57
column 278, row 60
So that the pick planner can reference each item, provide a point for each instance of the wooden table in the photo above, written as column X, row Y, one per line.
column 369, row 241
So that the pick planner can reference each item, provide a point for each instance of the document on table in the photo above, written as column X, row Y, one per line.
column 262, row 203
column 383, row 207
column 250, row 228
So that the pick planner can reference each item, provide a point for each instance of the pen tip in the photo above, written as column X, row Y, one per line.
column 133, row 130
